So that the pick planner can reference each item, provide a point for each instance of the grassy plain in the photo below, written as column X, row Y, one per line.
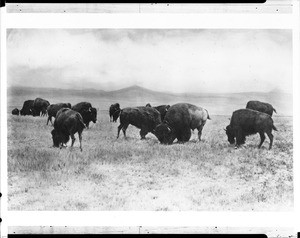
column 131, row 174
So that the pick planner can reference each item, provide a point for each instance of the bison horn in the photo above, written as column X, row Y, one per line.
column 169, row 129
column 224, row 129
column 90, row 109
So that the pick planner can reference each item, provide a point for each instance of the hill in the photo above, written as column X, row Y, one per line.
column 216, row 103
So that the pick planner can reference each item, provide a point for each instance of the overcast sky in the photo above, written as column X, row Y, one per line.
column 217, row 60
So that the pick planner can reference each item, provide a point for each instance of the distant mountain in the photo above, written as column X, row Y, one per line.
column 216, row 103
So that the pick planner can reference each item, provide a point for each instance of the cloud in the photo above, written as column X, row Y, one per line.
column 174, row 60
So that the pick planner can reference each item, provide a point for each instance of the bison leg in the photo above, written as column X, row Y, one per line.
column 123, row 127
column 240, row 138
column 200, row 128
column 73, row 139
column 87, row 125
column 143, row 133
column 80, row 139
column 271, row 139
column 262, row 138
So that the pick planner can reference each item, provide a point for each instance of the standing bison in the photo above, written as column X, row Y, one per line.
column 87, row 112
column 261, row 107
column 114, row 112
column 40, row 107
column 246, row 122
column 27, row 108
column 144, row 118
column 179, row 121
column 162, row 110
column 66, row 124
column 54, row 108
column 15, row 111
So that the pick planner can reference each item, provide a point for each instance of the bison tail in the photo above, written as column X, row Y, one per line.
column 208, row 117
column 274, row 110
column 274, row 128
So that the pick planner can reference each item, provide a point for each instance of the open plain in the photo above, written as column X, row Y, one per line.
column 134, row 174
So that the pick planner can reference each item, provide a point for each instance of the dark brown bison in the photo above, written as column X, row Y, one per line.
column 144, row 118
column 162, row 109
column 27, row 108
column 114, row 112
column 261, row 107
column 54, row 108
column 15, row 111
column 246, row 122
column 180, row 119
column 40, row 107
column 87, row 112
column 66, row 124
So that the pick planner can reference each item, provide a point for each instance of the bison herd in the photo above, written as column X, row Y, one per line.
column 166, row 122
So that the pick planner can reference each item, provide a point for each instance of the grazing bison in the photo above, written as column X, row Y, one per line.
column 15, row 111
column 261, row 107
column 178, row 122
column 246, row 122
column 114, row 112
column 54, row 108
column 162, row 110
column 27, row 108
column 66, row 124
column 87, row 112
column 144, row 118
column 40, row 107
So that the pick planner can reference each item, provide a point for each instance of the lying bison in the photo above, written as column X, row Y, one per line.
column 66, row 124
column 261, row 107
column 40, row 107
column 179, row 121
column 162, row 110
column 54, row 108
column 246, row 122
column 27, row 108
column 114, row 112
column 15, row 111
column 144, row 118
column 87, row 112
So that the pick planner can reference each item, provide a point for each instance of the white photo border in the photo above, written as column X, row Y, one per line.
column 158, row 21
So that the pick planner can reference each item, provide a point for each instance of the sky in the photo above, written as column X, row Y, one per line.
column 174, row 60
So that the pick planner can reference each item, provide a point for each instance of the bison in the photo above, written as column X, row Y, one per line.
column 178, row 122
column 66, row 124
column 246, row 122
column 40, row 106
column 144, row 118
column 54, row 108
column 87, row 112
column 162, row 110
column 261, row 107
column 27, row 108
column 15, row 111
column 114, row 112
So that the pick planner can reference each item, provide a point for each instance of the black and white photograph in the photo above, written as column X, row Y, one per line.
column 150, row 119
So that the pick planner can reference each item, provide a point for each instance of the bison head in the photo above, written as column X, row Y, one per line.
column 164, row 134
column 93, row 114
column 148, row 105
column 59, row 138
column 230, row 134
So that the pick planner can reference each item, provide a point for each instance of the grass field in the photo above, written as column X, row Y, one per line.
column 131, row 174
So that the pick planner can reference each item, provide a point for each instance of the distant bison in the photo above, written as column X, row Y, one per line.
column 180, row 119
column 15, row 111
column 66, row 124
column 87, row 112
column 246, row 122
column 114, row 112
column 261, row 107
column 54, row 108
column 40, row 107
column 144, row 118
column 162, row 109
column 27, row 108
